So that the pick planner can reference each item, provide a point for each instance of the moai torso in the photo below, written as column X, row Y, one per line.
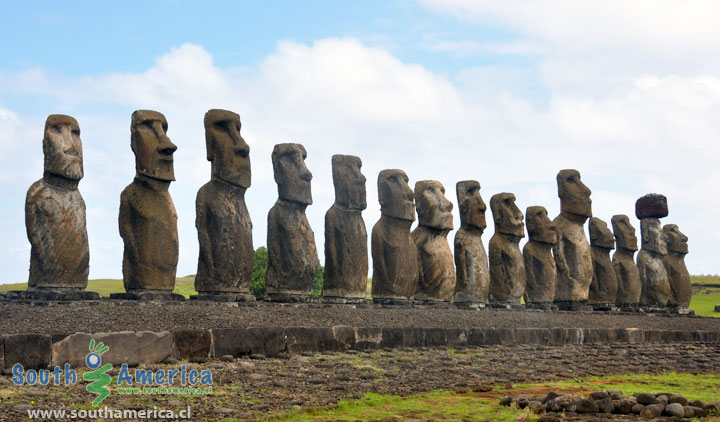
column 292, row 256
column 507, row 267
column 55, row 211
column 226, row 258
column 396, row 265
column 346, row 253
column 573, row 257
column 537, row 256
column 471, row 261
column 604, row 286
column 656, row 289
column 626, row 270
column 674, row 261
column 225, row 235
column 437, row 276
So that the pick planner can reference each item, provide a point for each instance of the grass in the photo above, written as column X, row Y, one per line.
column 704, row 304
column 459, row 406
column 703, row 279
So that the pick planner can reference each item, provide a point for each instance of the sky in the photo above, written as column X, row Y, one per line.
column 507, row 93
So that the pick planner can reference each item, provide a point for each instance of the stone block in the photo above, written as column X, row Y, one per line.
column 635, row 335
column 456, row 337
column 435, row 337
column 33, row 351
column 191, row 344
column 476, row 337
column 540, row 336
column 368, row 338
column 312, row 339
column 124, row 347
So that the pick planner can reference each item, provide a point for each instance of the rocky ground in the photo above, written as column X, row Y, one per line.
column 103, row 316
column 258, row 387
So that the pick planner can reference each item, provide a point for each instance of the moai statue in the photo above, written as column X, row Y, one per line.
column 572, row 250
column 55, row 216
column 678, row 274
column 507, row 268
column 626, row 270
column 396, row 265
column 656, row 289
column 148, row 221
column 292, row 255
column 226, row 260
column 471, row 260
column 435, row 220
column 346, row 254
column 604, row 286
column 537, row 255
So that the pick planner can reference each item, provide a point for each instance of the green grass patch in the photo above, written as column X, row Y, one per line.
column 704, row 304
column 184, row 286
column 704, row 279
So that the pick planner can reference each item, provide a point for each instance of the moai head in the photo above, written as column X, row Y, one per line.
column 508, row 217
column 349, row 182
column 600, row 235
column 434, row 210
column 472, row 206
column 62, row 147
column 395, row 195
column 226, row 149
column 152, row 147
column 676, row 240
column 540, row 228
column 624, row 232
column 575, row 202
column 291, row 175
column 653, row 236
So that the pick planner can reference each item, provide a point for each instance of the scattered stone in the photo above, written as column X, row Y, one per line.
column 22, row 408
column 623, row 406
column 585, row 406
column 549, row 417
column 223, row 411
column 257, row 377
column 675, row 409
column 637, row 408
column 506, row 401
column 537, row 407
column 599, row 395
column 652, row 411
column 257, row 356
column 605, row 405
column 227, row 358
column 170, row 360
column 646, row 399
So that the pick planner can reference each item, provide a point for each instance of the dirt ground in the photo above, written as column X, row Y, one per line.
column 259, row 388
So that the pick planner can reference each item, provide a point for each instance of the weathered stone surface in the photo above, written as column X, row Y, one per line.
column 33, row 351
column 572, row 250
column 148, row 221
column 653, row 275
column 396, row 264
column 585, row 406
column 507, row 268
column 292, row 256
column 471, row 261
column 626, row 270
column 346, row 254
column 191, row 344
column 652, row 205
column 677, row 271
column 604, row 286
column 222, row 220
column 540, row 269
column 437, row 276
column 55, row 211
column 675, row 409
column 124, row 347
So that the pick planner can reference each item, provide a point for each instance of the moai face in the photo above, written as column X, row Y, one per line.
column 349, row 182
column 653, row 236
column 152, row 147
column 434, row 210
column 624, row 232
column 395, row 195
column 472, row 206
column 540, row 228
column 676, row 240
column 226, row 149
column 575, row 202
column 62, row 147
column 600, row 235
column 508, row 217
column 291, row 175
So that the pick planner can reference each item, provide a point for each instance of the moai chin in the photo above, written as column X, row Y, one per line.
column 148, row 221
column 55, row 211
column 656, row 289
column 222, row 220
column 346, row 254
column 537, row 256
column 471, row 261
column 292, row 256
column 572, row 250
column 604, row 286
column 396, row 265
column 507, row 268
column 435, row 220
column 678, row 273
column 626, row 270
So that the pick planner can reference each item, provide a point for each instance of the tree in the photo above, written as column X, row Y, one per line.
column 259, row 275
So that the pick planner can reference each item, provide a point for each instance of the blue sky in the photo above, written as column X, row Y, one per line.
column 507, row 93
